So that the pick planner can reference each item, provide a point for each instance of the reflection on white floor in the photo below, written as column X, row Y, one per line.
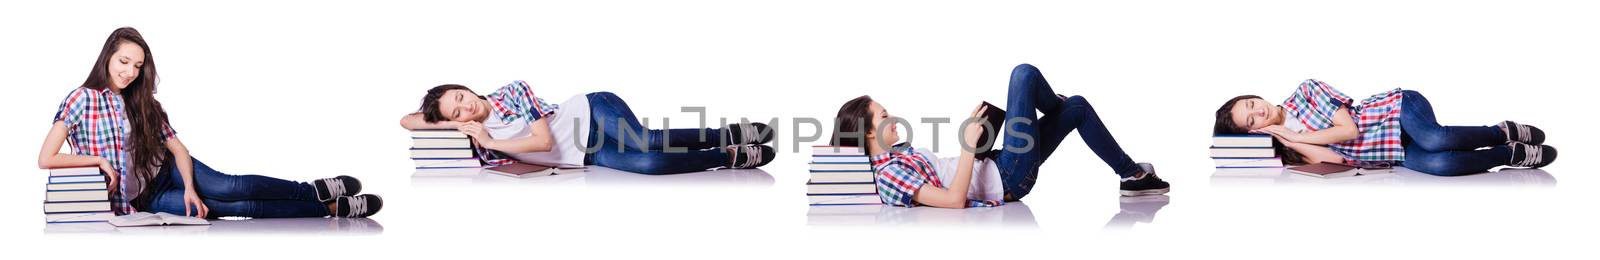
column 1400, row 177
column 1013, row 214
column 602, row 176
column 276, row 226
column 1136, row 210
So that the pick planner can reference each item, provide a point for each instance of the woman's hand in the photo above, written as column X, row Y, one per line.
column 192, row 200
column 974, row 128
column 474, row 130
column 111, row 174
column 1282, row 133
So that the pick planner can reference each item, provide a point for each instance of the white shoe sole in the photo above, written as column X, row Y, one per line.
column 1136, row 193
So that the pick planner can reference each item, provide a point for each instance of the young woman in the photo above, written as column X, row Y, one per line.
column 1320, row 124
column 114, row 122
column 908, row 177
column 512, row 124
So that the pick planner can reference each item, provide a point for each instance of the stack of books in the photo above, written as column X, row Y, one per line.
column 841, row 176
column 1245, row 154
column 76, row 195
column 443, row 152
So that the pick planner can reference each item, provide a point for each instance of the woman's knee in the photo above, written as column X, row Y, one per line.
column 1436, row 167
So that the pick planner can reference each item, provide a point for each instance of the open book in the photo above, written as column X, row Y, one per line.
column 525, row 170
column 138, row 219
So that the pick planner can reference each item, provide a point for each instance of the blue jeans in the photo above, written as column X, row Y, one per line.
column 617, row 140
column 233, row 195
column 1029, row 91
column 1447, row 150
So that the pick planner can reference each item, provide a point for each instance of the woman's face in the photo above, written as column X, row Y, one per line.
column 462, row 106
column 125, row 65
column 890, row 133
column 1254, row 113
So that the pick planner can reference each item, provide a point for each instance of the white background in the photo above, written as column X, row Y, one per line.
column 302, row 90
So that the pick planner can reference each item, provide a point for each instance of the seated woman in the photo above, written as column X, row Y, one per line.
column 114, row 122
column 512, row 124
column 907, row 176
column 1319, row 124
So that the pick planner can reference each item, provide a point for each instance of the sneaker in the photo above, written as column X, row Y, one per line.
column 747, row 133
column 1531, row 156
column 1520, row 133
column 330, row 188
column 359, row 206
column 1147, row 185
column 749, row 156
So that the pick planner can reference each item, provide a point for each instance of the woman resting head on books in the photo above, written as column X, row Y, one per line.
column 512, row 124
column 908, row 176
column 116, row 107
column 1320, row 124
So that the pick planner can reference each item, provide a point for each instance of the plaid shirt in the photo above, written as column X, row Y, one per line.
column 902, row 170
column 512, row 102
column 97, row 126
column 1377, row 120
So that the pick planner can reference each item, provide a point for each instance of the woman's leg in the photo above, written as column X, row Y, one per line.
column 1418, row 123
column 1020, row 158
column 656, row 162
column 214, row 185
column 614, row 120
column 171, row 201
column 1455, row 163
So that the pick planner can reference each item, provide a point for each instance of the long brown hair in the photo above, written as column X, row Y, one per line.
column 851, row 125
column 1225, row 126
column 147, row 121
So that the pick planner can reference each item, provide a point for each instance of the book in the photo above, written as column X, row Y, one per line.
column 1325, row 170
column 78, row 217
column 525, row 170
column 1272, row 162
column 839, row 159
column 813, row 188
column 1235, row 152
column 77, row 207
column 994, row 119
column 842, row 177
column 447, row 163
column 447, row 171
column 75, row 171
column 1274, row 171
column 77, row 179
column 844, row 199
column 1242, row 141
column 442, row 143
column 76, row 195
column 824, row 150
column 440, row 153
column 76, row 186
column 437, row 133
column 1337, row 170
column 139, row 219
column 825, row 167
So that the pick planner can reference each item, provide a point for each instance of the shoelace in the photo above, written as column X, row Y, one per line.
column 750, row 157
column 358, row 206
column 1523, row 131
column 1531, row 155
column 747, row 134
column 335, row 186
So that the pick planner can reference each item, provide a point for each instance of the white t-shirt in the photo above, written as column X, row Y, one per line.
column 986, row 184
column 573, row 115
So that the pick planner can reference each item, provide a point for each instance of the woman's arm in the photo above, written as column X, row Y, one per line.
column 180, row 155
column 1344, row 129
column 414, row 121
column 954, row 195
column 1315, row 153
column 50, row 155
column 539, row 140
